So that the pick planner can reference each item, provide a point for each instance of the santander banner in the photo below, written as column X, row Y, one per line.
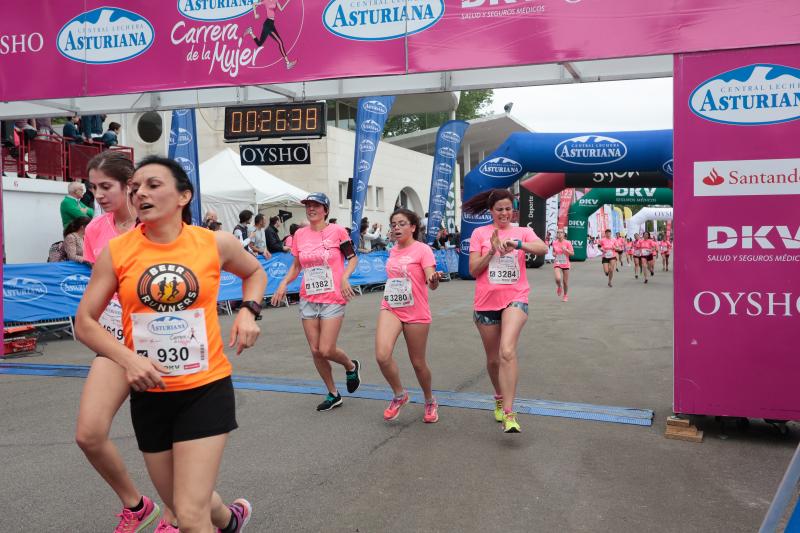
column 129, row 46
column 737, row 190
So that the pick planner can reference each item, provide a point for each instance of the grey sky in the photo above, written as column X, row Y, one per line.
column 590, row 107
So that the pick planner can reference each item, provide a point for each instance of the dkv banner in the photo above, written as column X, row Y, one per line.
column 183, row 149
column 448, row 143
column 370, row 120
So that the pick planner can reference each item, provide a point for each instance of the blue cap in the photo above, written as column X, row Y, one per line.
column 320, row 198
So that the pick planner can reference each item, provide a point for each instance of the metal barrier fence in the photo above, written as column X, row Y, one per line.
column 78, row 156
column 47, row 157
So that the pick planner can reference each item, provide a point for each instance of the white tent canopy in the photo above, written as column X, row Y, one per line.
column 227, row 187
column 635, row 224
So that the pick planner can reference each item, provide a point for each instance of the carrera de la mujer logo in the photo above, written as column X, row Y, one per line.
column 168, row 287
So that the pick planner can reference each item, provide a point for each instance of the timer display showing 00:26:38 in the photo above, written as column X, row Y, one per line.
column 273, row 121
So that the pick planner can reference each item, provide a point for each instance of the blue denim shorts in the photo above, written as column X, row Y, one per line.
column 493, row 318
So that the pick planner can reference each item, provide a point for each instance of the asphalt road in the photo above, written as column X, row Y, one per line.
column 349, row 471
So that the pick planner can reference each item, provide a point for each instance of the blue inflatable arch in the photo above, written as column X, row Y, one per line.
column 521, row 153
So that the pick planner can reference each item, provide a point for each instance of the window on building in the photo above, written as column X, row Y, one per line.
column 150, row 127
column 368, row 202
column 379, row 205
column 343, row 202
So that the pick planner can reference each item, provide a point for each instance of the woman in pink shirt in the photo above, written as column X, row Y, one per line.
column 620, row 248
column 268, row 29
column 106, row 386
column 664, row 246
column 319, row 251
column 628, row 251
column 562, row 251
column 497, row 262
column 637, row 255
column 649, row 248
column 411, row 265
column 608, row 250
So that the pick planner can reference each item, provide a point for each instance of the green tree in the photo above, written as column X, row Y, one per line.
column 472, row 104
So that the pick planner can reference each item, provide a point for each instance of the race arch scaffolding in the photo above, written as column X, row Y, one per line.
column 581, row 210
column 558, row 154
column 636, row 222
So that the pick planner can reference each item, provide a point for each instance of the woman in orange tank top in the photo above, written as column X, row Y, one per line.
column 167, row 274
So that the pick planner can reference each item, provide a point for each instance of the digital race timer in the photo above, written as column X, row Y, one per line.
column 275, row 120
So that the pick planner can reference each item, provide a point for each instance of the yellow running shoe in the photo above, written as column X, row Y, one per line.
column 498, row 409
column 510, row 424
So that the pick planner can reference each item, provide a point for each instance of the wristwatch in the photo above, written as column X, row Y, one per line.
column 254, row 307
column 519, row 244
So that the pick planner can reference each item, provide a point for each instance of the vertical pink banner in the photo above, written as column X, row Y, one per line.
column 564, row 201
column 737, row 193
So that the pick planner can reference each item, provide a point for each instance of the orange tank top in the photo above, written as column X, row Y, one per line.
column 168, row 294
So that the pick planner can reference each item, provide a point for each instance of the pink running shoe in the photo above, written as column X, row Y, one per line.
column 393, row 411
column 565, row 298
column 558, row 290
column 134, row 522
column 431, row 413
column 243, row 510
column 165, row 527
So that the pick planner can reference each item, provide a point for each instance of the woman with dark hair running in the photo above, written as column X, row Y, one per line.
column 607, row 247
column 182, row 401
column 562, row 251
column 410, row 271
column 497, row 262
column 268, row 29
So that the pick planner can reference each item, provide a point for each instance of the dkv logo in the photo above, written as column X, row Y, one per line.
column 500, row 167
column 105, row 35
column 591, row 150
column 758, row 94
column 212, row 11
column 167, row 325
column 724, row 237
column 373, row 21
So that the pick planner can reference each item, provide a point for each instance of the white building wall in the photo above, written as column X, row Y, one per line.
column 395, row 168
column 31, row 218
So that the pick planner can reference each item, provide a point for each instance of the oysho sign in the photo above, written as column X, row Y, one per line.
column 105, row 35
column 757, row 177
column 591, row 150
column 275, row 154
column 212, row 10
column 381, row 21
column 759, row 94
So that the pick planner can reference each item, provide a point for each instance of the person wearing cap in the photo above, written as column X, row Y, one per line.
column 319, row 251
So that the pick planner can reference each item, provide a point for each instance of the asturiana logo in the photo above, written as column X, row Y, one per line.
column 753, row 95
column 367, row 145
column 465, row 246
column 666, row 168
column 500, row 167
column 364, row 165
column 278, row 270
column 444, row 169
column 370, row 126
column 442, row 183
column 226, row 278
column 374, row 106
column 361, row 185
column 74, row 285
column 446, row 151
column 380, row 21
column 105, row 35
column 186, row 164
column 591, row 150
column 23, row 290
column 481, row 218
column 209, row 10
column 167, row 325
column 182, row 138
column 439, row 200
column 451, row 136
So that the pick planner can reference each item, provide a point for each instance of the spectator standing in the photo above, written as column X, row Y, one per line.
column 241, row 231
column 92, row 126
column 211, row 216
column 111, row 137
column 289, row 239
column 274, row 244
column 71, row 206
column 26, row 128
column 258, row 242
column 45, row 126
column 71, row 133
column 373, row 236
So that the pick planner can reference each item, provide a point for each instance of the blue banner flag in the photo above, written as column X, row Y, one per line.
column 448, row 143
column 183, row 149
column 370, row 120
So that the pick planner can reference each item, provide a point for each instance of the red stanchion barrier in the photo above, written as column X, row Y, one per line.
column 78, row 156
column 125, row 149
column 46, row 157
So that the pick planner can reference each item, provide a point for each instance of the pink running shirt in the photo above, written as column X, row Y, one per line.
column 410, row 263
column 648, row 246
column 620, row 244
column 561, row 251
column 98, row 232
column 288, row 242
column 491, row 296
column 608, row 246
column 665, row 247
column 321, row 248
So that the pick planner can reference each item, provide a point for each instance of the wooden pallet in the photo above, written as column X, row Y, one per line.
column 682, row 429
